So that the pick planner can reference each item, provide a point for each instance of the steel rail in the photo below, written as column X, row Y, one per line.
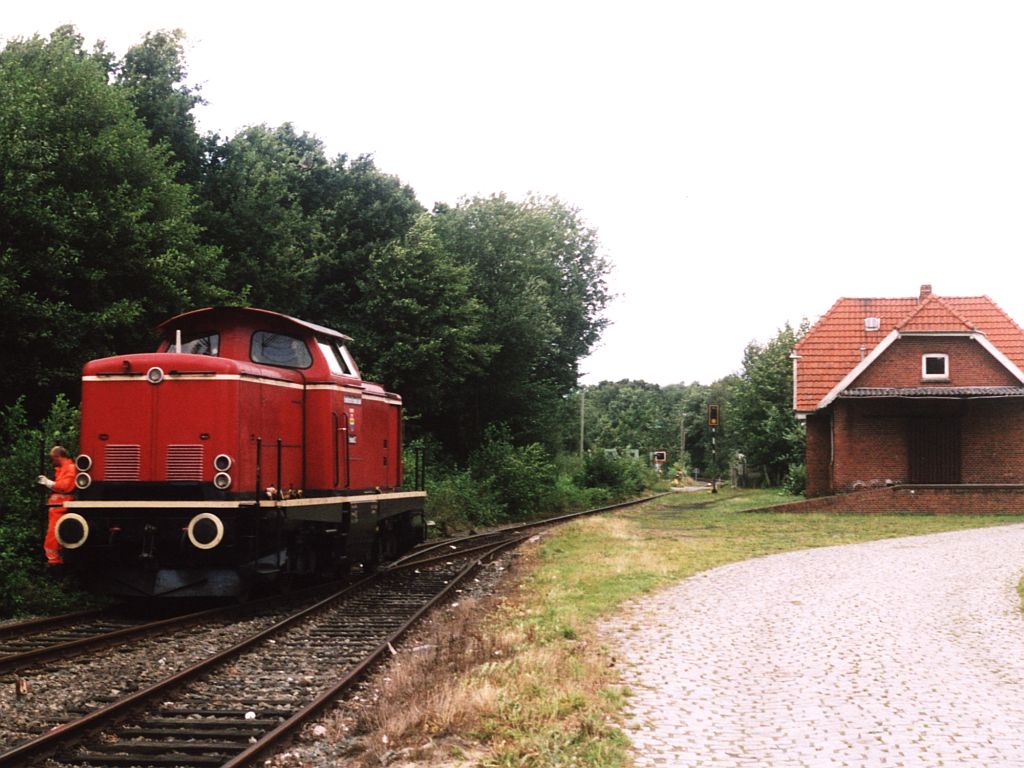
column 516, row 527
column 271, row 738
column 17, row 661
column 45, row 622
column 52, row 738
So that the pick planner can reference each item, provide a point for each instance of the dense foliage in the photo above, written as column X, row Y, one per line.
column 98, row 241
column 115, row 213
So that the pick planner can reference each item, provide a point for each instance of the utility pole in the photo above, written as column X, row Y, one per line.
column 582, row 418
column 682, row 443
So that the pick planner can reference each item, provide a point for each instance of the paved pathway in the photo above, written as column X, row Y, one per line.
column 906, row 652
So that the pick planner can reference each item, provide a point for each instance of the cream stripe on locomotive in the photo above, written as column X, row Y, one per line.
column 248, row 377
column 317, row 500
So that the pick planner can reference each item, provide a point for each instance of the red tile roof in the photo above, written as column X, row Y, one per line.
column 837, row 343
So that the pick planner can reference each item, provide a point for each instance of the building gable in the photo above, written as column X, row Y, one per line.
column 968, row 364
column 857, row 332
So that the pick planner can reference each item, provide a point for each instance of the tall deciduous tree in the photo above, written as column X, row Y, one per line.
column 538, row 272
column 297, row 228
column 153, row 75
column 262, row 209
column 97, row 239
column 767, row 431
column 418, row 327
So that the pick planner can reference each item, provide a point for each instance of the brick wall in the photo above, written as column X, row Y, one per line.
column 871, row 442
column 992, row 441
column 970, row 365
column 920, row 499
column 818, row 454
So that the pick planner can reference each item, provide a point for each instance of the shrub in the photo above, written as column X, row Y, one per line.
column 523, row 477
column 24, row 588
column 796, row 479
column 622, row 476
column 456, row 502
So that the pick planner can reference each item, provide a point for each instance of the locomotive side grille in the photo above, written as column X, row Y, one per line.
column 122, row 462
column 185, row 462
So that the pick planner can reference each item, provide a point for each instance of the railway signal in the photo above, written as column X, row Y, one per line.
column 713, row 414
column 714, row 418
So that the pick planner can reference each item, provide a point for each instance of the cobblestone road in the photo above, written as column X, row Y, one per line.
column 906, row 652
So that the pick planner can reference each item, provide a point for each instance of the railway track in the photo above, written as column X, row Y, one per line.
column 240, row 701
column 22, row 645
column 31, row 642
column 236, row 704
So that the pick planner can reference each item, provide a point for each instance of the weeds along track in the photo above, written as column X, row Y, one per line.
column 239, row 699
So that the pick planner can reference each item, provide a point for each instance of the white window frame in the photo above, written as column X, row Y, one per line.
column 944, row 376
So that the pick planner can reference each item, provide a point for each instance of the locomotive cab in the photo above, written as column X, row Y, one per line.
column 246, row 447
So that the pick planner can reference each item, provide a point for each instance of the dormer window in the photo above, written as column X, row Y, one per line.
column 935, row 367
column 872, row 323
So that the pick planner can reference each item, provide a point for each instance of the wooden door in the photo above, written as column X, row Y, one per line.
column 934, row 450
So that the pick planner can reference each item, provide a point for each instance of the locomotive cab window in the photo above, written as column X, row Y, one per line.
column 335, row 360
column 935, row 367
column 206, row 344
column 279, row 349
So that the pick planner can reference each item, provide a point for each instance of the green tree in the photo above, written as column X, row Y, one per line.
column 767, row 431
column 97, row 239
column 299, row 229
column 537, row 270
column 631, row 414
column 262, row 210
column 418, row 327
column 153, row 75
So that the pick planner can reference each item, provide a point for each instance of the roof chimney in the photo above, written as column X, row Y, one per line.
column 926, row 291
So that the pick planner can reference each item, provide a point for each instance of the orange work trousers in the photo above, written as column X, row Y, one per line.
column 51, row 547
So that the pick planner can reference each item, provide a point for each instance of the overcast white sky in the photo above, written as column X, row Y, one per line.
column 745, row 163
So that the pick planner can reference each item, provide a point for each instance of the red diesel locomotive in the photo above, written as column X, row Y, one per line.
column 246, row 448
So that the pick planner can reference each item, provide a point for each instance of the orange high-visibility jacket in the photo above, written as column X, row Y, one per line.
column 63, row 484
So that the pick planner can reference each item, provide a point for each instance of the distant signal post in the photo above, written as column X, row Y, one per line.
column 714, row 417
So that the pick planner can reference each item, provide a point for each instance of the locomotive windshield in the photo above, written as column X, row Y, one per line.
column 207, row 344
column 336, row 359
column 279, row 349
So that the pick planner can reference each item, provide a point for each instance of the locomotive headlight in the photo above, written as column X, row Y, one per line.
column 84, row 462
column 205, row 530
column 155, row 375
column 72, row 530
column 222, row 463
column 82, row 481
column 222, row 480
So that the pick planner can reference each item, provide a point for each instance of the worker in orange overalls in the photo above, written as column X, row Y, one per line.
column 61, row 489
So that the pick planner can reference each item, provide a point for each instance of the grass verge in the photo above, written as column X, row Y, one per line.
column 522, row 681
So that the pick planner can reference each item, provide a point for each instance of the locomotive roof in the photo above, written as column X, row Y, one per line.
column 318, row 329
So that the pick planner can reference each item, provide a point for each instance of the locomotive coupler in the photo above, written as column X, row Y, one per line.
column 148, row 553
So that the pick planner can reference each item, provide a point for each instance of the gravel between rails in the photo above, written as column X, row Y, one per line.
column 60, row 690
column 314, row 747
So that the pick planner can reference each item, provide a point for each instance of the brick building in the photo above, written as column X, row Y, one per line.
column 924, row 392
